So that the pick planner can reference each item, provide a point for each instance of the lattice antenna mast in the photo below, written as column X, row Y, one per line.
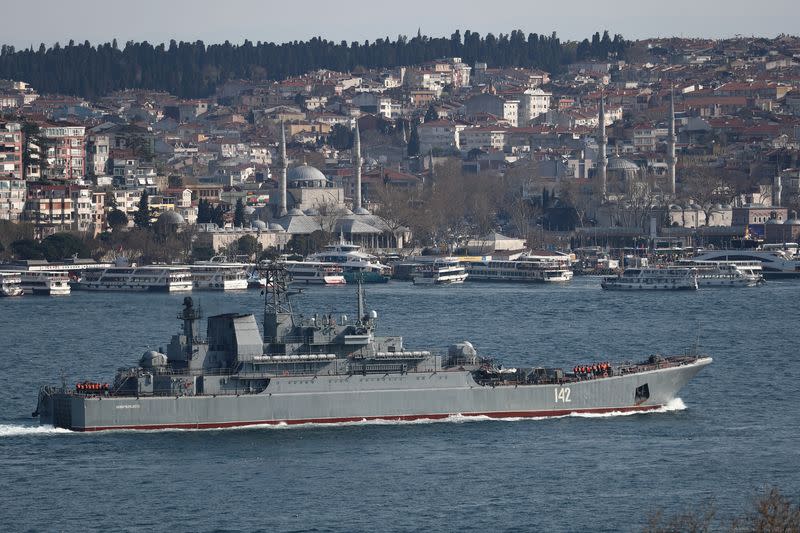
column 360, row 293
column 276, row 294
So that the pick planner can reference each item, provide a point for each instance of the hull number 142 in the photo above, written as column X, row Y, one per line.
column 561, row 394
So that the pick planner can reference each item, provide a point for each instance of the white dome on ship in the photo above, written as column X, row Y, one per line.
column 151, row 359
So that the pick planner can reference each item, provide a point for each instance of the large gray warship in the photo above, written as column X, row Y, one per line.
column 325, row 369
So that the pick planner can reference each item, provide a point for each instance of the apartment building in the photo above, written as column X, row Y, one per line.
column 13, row 192
column 65, row 150
column 11, row 149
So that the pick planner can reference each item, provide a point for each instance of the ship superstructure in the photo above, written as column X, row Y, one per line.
column 325, row 368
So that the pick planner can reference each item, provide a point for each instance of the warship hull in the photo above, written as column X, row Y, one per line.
column 356, row 397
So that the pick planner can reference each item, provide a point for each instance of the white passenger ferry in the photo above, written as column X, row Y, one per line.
column 654, row 279
column 775, row 264
column 46, row 282
column 148, row 278
column 314, row 272
column 726, row 273
column 219, row 274
column 439, row 271
column 527, row 268
column 355, row 263
column 11, row 284
column 219, row 277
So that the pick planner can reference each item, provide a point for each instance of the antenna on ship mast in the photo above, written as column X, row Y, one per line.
column 278, row 313
column 360, row 292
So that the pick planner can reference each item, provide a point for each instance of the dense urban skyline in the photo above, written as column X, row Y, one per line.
column 353, row 20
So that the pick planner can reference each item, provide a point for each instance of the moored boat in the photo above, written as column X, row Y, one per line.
column 775, row 264
column 653, row 279
column 439, row 271
column 135, row 279
column 45, row 282
column 355, row 264
column 526, row 268
column 726, row 273
column 314, row 272
column 11, row 284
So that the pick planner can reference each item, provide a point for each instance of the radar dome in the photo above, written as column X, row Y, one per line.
column 462, row 353
column 152, row 359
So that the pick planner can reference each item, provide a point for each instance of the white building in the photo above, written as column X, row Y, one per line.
column 483, row 138
column 13, row 192
column 532, row 103
column 440, row 135
column 645, row 139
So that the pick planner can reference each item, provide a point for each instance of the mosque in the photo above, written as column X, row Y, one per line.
column 625, row 174
column 309, row 201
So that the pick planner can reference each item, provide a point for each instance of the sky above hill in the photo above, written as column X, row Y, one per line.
column 268, row 20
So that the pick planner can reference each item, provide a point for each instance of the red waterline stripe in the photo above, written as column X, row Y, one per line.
column 498, row 414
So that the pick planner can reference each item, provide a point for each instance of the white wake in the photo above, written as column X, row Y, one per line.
column 676, row 404
column 21, row 430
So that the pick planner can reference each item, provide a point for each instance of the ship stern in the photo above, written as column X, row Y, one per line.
column 59, row 409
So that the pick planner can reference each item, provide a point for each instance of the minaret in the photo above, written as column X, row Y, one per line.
column 602, row 161
column 284, row 168
column 777, row 191
column 671, row 159
column 357, row 164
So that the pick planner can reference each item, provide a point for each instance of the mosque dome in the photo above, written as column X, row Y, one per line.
column 792, row 220
column 306, row 176
column 295, row 212
column 171, row 218
column 249, row 210
column 258, row 224
column 620, row 163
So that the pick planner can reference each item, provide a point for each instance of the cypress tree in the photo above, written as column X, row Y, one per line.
column 431, row 114
column 141, row 219
column 413, row 142
column 238, row 215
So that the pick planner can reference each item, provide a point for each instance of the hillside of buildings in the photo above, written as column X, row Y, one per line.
column 400, row 144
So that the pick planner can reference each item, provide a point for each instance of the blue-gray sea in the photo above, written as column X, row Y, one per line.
column 736, row 432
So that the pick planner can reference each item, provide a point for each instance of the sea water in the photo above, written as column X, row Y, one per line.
column 733, row 431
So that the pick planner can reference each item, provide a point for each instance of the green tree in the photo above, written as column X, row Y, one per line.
column 117, row 219
column 142, row 217
column 341, row 137
column 202, row 252
column 249, row 246
column 238, row 214
column 218, row 216
column 62, row 245
column 413, row 142
column 431, row 114
column 204, row 212
column 27, row 249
